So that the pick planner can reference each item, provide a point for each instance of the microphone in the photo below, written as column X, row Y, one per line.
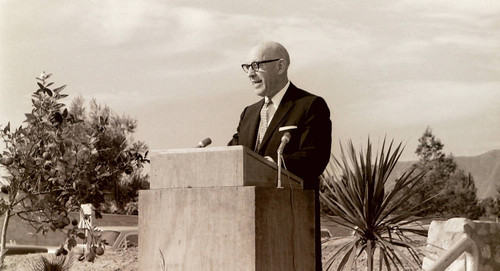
column 205, row 142
column 284, row 140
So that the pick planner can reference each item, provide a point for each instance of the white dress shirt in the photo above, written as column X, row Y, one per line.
column 276, row 102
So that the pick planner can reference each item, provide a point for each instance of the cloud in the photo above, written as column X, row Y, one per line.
column 455, row 8
column 377, row 61
column 112, row 22
column 425, row 102
column 179, row 40
column 481, row 43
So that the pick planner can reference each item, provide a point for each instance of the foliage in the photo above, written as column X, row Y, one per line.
column 446, row 190
column 118, row 146
column 59, row 160
column 462, row 196
column 491, row 207
column 132, row 208
column 127, row 193
column 57, row 263
column 357, row 194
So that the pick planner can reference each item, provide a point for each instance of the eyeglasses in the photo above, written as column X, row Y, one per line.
column 255, row 64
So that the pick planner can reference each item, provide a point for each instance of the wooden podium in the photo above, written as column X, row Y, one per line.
column 219, row 209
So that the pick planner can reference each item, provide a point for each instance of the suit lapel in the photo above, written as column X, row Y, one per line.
column 285, row 105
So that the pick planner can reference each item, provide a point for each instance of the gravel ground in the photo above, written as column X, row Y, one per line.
column 127, row 260
column 419, row 242
column 120, row 260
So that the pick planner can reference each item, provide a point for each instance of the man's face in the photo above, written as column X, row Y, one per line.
column 265, row 79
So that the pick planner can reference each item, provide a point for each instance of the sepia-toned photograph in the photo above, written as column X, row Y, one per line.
column 249, row 135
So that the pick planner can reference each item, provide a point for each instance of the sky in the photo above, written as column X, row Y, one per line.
column 385, row 68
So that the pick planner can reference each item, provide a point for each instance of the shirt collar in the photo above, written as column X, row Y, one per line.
column 278, row 96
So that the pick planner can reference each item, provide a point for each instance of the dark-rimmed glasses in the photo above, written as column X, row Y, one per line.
column 255, row 64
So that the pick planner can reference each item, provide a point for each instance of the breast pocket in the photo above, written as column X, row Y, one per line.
column 294, row 142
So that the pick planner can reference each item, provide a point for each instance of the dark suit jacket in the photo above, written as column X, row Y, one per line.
column 308, row 151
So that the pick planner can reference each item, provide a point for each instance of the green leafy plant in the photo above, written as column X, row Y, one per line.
column 59, row 160
column 357, row 192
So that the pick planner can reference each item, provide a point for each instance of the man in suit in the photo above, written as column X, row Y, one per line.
column 283, row 104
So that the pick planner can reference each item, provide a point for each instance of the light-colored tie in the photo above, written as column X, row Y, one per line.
column 263, row 123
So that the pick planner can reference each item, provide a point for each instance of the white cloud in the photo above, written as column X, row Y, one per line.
column 119, row 50
column 411, row 103
column 388, row 34
column 115, row 22
column 487, row 43
column 453, row 9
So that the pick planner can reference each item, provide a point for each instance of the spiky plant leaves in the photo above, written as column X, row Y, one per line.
column 59, row 263
column 357, row 192
column 348, row 258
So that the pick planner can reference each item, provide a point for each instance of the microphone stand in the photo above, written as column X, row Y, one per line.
column 284, row 140
column 280, row 154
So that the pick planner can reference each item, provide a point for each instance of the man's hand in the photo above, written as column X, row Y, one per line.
column 268, row 158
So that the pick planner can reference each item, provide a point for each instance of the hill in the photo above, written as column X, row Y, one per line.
column 484, row 168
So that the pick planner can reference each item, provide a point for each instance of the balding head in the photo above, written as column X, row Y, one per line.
column 270, row 50
column 272, row 76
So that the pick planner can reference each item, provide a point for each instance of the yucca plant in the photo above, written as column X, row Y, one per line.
column 357, row 192
column 59, row 263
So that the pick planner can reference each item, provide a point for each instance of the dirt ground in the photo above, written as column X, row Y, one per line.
column 121, row 260
column 127, row 260
column 418, row 242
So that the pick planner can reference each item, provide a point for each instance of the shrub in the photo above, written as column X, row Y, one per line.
column 357, row 194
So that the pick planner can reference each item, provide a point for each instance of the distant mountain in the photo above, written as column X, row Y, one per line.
column 484, row 168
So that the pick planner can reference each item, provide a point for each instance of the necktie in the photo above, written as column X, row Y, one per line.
column 263, row 123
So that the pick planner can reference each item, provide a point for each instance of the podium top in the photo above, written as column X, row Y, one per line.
column 214, row 167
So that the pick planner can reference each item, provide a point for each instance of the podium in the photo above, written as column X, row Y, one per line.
column 219, row 209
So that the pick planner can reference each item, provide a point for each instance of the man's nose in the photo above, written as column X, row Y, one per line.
column 251, row 72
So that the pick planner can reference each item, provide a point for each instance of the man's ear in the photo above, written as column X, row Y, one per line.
column 281, row 66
